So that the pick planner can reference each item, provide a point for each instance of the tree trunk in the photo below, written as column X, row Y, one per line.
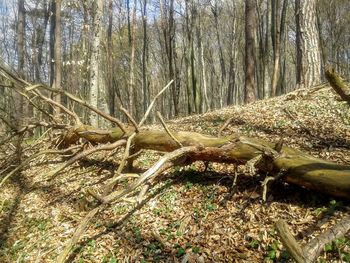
column 57, row 53
column 250, row 28
column 95, row 67
column 20, row 54
column 144, row 57
column 295, row 166
column 110, row 71
column 132, row 63
column 308, row 72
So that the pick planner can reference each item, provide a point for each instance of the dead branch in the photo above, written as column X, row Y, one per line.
column 30, row 158
column 223, row 127
column 338, row 84
column 87, row 105
column 313, row 249
column 131, row 119
column 152, row 103
column 84, row 154
column 56, row 104
column 167, row 130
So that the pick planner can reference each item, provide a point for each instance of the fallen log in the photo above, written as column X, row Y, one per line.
column 313, row 249
column 338, row 84
column 297, row 167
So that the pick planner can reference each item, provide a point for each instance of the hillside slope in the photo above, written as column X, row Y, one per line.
column 191, row 214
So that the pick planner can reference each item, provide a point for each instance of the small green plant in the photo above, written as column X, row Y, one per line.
column 196, row 214
column 154, row 250
column 272, row 251
column 211, row 207
column 188, row 186
column 16, row 248
column 120, row 209
column 279, row 124
column 334, row 206
column 39, row 223
column 254, row 244
column 109, row 259
column 180, row 252
column 137, row 234
column 195, row 250
column 341, row 247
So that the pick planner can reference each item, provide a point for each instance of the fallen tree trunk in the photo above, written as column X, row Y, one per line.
column 338, row 84
column 313, row 249
column 297, row 167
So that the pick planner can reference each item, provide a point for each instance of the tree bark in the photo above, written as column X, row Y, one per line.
column 57, row 53
column 297, row 167
column 95, row 67
column 132, row 63
column 308, row 69
column 20, row 54
column 250, row 28
column 110, row 71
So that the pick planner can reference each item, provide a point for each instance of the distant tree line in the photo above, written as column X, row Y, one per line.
column 122, row 52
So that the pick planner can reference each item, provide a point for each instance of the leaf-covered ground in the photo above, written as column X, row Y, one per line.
column 190, row 214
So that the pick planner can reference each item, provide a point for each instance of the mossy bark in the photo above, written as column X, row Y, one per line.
column 338, row 84
column 297, row 167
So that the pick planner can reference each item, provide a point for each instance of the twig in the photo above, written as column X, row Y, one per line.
column 167, row 130
column 131, row 119
column 223, row 127
column 164, row 163
column 99, row 148
column 58, row 105
column 152, row 103
column 79, row 231
column 267, row 180
column 110, row 186
column 30, row 158
column 84, row 103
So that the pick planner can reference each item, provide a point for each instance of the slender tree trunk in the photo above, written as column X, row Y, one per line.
column 110, row 71
column 203, row 67
column 20, row 54
column 95, row 67
column 275, row 35
column 52, row 41
column 221, row 53
column 250, row 28
column 144, row 56
column 132, row 63
column 232, row 56
column 57, row 55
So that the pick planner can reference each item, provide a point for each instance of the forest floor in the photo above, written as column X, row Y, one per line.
column 191, row 214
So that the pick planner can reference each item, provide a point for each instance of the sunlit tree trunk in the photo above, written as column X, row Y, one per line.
column 57, row 53
column 110, row 71
column 132, row 63
column 308, row 71
column 250, row 28
column 145, row 91
column 20, row 54
column 95, row 68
